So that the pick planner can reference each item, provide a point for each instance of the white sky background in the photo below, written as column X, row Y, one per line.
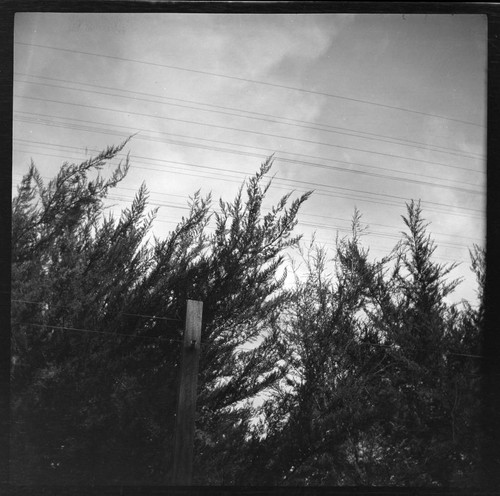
column 368, row 110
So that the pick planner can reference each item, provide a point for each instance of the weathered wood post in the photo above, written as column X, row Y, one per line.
column 186, row 406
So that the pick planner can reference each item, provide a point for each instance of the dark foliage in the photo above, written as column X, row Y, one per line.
column 364, row 372
column 97, row 324
column 383, row 384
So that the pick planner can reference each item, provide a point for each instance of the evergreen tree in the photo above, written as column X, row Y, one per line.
column 97, row 325
column 382, row 385
column 368, row 374
column 327, row 400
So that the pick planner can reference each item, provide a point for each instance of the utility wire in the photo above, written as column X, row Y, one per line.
column 374, row 247
column 170, row 340
column 154, row 317
column 255, row 115
column 328, row 167
column 29, row 301
column 49, row 327
column 229, row 128
column 302, row 222
column 299, row 162
column 17, row 300
column 77, row 329
column 159, row 318
column 388, row 226
column 434, row 233
column 246, row 80
column 280, row 185
column 375, row 233
column 225, row 150
column 238, row 172
column 282, row 181
column 379, row 249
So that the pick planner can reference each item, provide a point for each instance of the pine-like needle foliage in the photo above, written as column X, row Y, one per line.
column 361, row 373
column 98, row 312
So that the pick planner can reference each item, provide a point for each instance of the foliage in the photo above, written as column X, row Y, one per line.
column 97, row 324
column 382, row 388
column 361, row 373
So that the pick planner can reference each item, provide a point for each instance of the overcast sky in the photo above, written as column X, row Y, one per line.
column 367, row 110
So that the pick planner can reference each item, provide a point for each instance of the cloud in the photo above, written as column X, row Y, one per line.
column 266, row 42
column 240, row 45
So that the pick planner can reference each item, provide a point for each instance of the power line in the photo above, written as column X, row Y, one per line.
column 303, row 184
column 180, row 143
column 229, row 128
column 380, row 249
column 390, row 226
column 256, row 115
column 313, row 224
column 306, row 184
column 253, row 81
column 314, row 215
column 326, row 226
column 333, row 168
column 278, row 181
column 377, row 234
column 180, row 163
column 239, row 152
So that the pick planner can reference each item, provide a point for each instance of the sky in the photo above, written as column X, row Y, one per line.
column 368, row 110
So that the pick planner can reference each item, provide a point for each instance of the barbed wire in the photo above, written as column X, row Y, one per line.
column 79, row 329
column 76, row 329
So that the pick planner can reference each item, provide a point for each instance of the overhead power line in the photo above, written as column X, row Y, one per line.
column 175, row 220
column 249, row 131
column 240, row 152
column 378, row 234
column 246, row 114
column 316, row 224
column 197, row 145
column 381, row 249
column 127, row 198
column 389, row 226
column 324, row 192
column 305, row 184
column 253, row 81
column 349, row 171
column 349, row 220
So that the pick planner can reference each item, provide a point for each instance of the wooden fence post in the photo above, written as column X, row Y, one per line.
column 186, row 406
